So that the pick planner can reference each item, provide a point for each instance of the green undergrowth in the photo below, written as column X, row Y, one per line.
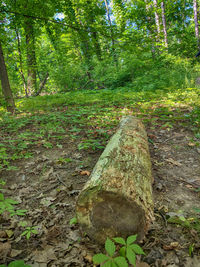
column 89, row 119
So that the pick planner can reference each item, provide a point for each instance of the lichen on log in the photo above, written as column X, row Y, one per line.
column 117, row 199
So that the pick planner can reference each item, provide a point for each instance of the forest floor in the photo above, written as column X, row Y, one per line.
column 48, row 150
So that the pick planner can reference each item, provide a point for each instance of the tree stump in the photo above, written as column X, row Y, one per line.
column 117, row 199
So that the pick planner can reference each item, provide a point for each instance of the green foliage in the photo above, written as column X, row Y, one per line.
column 73, row 221
column 17, row 263
column 128, row 251
column 30, row 230
column 7, row 204
column 189, row 223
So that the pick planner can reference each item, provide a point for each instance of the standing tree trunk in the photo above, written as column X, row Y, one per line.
column 196, row 22
column 157, row 20
column 149, row 30
column 112, row 35
column 164, row 24
column 10, row 104
column 21, row 62
column 117, row 200
column 31, row 57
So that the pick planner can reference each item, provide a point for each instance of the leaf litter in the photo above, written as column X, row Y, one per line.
column 47, row 186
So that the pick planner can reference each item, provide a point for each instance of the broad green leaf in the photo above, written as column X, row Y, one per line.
column 119, row 240
column 113, row 264
column 121, row 262
column 1, row 197
column 122, row 251
column 137, row 249
column 99, row 258
column 18, row 263
column 11, row 201
column 131, row 256
column 34, row 231
column 108, row 264
column 24, row 233
column 28, row 235
column 131, row 239
column 73, row 221
column 110, row 247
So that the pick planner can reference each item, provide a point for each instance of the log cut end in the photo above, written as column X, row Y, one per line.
column 109, row 215
column 117, row 199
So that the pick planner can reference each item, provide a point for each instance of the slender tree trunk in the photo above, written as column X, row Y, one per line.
column 31, row 57
column 164, row 24
column 157, row 20
column 112, row 36
column 149, row 30
column 196, row 22
column 20, row 62
column 10, row 104
column 97, row 45
column 42, row 85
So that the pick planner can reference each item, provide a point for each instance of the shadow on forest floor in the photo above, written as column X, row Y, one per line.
column 47, row 157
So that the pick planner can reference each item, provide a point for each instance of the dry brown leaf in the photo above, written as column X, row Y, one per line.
column 14, row 253
column 88, row 258
column 173, row 245
column 174, row 162
column 85, row 173
column 191, row 144
column 5, row 249
column 3, row 234
column 44, row 256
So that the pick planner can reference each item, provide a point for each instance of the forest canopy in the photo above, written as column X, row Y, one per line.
column 58, row 46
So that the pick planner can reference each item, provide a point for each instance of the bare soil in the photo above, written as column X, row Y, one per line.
column 48, row 188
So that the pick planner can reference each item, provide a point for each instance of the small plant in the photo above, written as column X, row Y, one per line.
column 73, row 221
column 7, row 204
column 30, row 230
column 17, row 263
column 128, row 251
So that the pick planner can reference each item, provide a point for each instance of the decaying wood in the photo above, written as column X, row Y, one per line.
column 117, row 199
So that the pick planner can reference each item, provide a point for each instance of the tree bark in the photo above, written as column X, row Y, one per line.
column 10, row 104
column 21, row 62
column 164, row 24
column 196, row 22
column 112, row 36
column 149, row 30
column 31, row 57
column 117, row 199
column 42, row 85
column 157, row 20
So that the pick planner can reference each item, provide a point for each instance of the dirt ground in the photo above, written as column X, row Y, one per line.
column 48, row 188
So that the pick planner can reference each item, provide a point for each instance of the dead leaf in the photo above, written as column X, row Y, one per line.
column 14, row 253
column 191, row 144
column 173, row 245
column 47, row 201
column 9, row 233
column 48, row 173
column 88, row 258
column 3, row 234
column 85, row 173
column 5, row 249
column 44, row 256
column 174, row 162
column 189, row 186
column 192, row 262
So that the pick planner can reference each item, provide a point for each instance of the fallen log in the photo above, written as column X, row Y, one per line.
column 117, row 199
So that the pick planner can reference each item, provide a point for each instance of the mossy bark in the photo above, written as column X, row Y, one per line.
column 117, row 199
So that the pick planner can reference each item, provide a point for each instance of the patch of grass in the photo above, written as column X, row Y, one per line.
column 91, row 116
